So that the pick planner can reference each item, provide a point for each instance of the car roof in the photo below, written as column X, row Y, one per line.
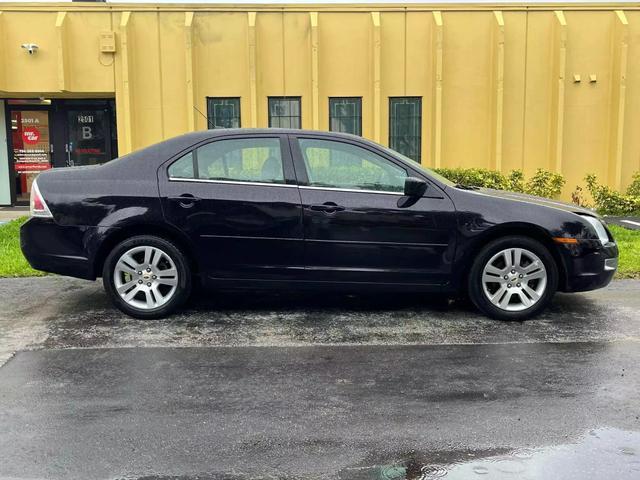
column 216, row 132
column 148, row 159
column 159, row 152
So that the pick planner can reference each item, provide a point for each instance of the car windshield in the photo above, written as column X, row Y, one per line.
column 416, row 165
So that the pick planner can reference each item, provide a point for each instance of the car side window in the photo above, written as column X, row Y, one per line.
column 343, row 165
column 239, row 159
column 183, row 167
column 242, row 159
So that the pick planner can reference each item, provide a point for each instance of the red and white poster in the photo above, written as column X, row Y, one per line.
column 30, row 140
column 31, row 148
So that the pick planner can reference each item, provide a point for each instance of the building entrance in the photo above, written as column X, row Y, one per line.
column 47, row 134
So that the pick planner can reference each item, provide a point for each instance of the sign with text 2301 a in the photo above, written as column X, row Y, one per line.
column 30, row 140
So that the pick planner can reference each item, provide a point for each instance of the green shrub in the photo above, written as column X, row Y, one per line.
column 610, row 202
column 548, row 184
column 634, row 187
column 515, row 181
column 543, row 183
column 577, row 197
column 475, row 177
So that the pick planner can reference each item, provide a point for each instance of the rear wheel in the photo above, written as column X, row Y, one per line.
column 147, row 277
column 513, row 278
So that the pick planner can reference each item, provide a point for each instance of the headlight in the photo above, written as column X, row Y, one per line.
column 598, row 227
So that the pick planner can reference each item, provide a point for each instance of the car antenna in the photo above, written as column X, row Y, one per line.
column 209, row 124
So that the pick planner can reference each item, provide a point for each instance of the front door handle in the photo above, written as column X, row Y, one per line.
column 186, row 200
column 327, row 207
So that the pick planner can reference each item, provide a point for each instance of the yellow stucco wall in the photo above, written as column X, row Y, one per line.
column 497, row 86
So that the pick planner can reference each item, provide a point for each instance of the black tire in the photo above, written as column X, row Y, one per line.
column 475, row 284
column 183, row 287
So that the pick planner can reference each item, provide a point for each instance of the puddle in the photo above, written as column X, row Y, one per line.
column 598, row 454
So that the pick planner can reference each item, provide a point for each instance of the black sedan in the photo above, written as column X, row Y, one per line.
column 304, row 209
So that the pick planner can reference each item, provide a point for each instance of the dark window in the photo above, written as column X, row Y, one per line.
column 342, row 165
column 223, row 112
column 284, row 112
column 405, row 126
column 345, row 115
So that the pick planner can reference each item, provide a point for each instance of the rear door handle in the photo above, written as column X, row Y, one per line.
column 185, row 200
column 327, row 207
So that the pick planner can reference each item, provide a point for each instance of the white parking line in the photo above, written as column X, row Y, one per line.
column 637, row 224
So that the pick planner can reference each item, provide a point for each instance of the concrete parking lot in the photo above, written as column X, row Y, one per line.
column 284, row 385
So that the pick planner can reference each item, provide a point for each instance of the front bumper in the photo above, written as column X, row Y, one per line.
column 589, row 265
column 54, row 248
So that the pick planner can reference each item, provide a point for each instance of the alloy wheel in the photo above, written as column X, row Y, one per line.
column 145, row 277
column 514, row 279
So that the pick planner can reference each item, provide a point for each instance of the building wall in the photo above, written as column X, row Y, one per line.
column 497, row 86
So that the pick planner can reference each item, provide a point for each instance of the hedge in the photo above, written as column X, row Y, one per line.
column 544, row 183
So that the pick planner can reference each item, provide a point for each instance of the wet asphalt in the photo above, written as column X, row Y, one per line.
column 283, row 385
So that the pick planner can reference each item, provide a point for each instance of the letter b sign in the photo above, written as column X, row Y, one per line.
column 86, row 132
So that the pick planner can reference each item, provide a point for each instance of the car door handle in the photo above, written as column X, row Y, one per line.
column 327, row 207
column 185, row 200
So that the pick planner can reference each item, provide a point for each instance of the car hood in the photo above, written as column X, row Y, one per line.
column 541, row 201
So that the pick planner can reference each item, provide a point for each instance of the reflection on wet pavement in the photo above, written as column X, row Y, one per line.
column 606, row 453
column 370, row 378
column 73, row 313
column 321, row 412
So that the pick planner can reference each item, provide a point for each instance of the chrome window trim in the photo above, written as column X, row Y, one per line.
column 288, row 185
column 354, row 190
column 231, row 182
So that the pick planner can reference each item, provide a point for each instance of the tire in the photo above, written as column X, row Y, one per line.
column 529, row 285
column 152, row 293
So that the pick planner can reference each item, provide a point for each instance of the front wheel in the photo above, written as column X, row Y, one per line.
column 513, row 278
column 147, row 277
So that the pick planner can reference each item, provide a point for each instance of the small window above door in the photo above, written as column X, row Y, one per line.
column 223, row 112
column 284, row 112
column 405, row 126
column 345, row 115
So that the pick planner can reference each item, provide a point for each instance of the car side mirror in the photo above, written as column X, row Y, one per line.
column 414, row 187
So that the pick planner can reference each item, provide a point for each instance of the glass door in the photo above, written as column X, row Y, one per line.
column 30, row 148
column 88, row 137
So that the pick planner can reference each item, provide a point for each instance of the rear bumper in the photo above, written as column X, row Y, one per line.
column 589, row 265
column 53, row 248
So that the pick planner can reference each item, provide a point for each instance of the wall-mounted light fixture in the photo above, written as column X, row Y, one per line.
column 31, row 48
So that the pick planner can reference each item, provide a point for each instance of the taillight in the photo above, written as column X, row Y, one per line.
column 38, row 206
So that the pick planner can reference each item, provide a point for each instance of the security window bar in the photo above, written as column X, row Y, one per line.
column 223, row 112
column 405, row 126
column 284, row 112
column 345, row 115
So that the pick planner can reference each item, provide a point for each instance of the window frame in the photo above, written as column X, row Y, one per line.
column 301, row 168
column 286, row 97
column 391, row 117
column 239, row 99
column 359, row 99
column 285, row 152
